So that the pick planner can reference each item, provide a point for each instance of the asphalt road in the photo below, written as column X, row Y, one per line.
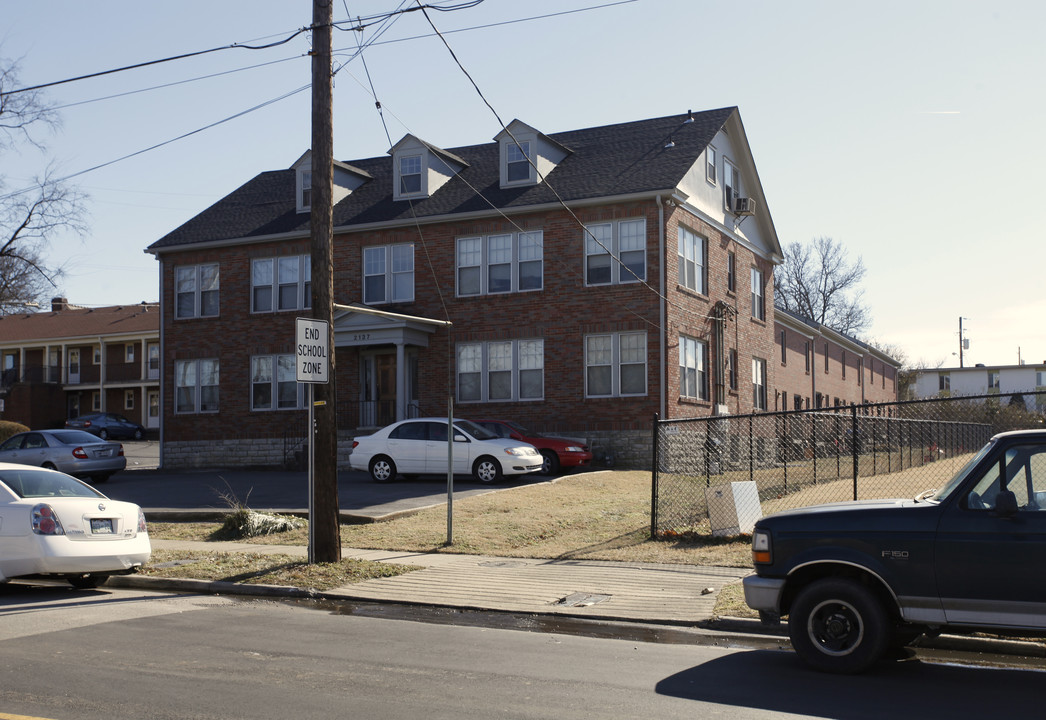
column 213, row 489
column 123, row 655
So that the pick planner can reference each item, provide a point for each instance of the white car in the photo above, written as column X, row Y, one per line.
column 419, row 447
column 53, row 525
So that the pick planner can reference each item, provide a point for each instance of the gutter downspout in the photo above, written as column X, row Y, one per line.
column 162, row 369
column 663, row 400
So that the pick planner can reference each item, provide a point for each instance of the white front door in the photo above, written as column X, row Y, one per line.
column 74, row 366
column 152, row 415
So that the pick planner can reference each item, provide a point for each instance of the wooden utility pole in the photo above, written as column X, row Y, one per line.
column 326, row 534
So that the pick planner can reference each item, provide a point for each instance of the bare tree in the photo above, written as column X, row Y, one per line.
column 30, row 216
column 817, row 281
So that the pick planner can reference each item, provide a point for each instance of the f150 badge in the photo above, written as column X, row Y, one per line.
column 895, row 554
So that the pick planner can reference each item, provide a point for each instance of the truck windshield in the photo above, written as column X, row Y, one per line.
column 957, row 479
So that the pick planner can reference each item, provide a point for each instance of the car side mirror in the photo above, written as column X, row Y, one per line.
column 1006, row 504
column 458, row 437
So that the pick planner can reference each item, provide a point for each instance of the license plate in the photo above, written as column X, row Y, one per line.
column 104, row 453
column 101, row 527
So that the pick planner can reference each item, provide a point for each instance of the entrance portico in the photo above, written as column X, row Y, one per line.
column 390, row 346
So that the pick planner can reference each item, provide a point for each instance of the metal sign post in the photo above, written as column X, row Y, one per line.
column 312, row 366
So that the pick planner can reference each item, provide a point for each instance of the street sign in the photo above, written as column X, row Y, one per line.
column 312, row 340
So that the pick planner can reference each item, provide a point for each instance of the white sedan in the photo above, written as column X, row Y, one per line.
column 53, row 525
column 419, row 447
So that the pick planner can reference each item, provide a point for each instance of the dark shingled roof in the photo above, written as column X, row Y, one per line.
column 86, row 323
column 621, row 159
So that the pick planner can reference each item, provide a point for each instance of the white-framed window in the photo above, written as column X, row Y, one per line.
column 388, row 274
column 615, row 252
column 283, row 283
column 511, row 262
column 731, row 272
column 693, row 364
column 692, row 260
column 96, row 401
column 128, row 353
column 616, row 364
column 196, row 291
column 758, row 300
column 304, row 190
column 758, row 384
column 96, row 355
column 731, row 184
column 128, row 399
column 711, row 173
column 410, row 169
column 274, row 384
column 518, row 168
column 196, row 386
column 993, row 380
column 1040, row 378
column 944, row 381
column 504, row 370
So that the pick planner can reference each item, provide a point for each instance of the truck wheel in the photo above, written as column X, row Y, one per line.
column 838, row 626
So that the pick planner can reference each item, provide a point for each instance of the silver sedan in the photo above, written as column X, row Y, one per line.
column 74, row 452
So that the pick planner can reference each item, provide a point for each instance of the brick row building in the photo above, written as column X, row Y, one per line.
column 591, row 279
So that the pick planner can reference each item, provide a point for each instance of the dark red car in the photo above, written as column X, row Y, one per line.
column 557, row 453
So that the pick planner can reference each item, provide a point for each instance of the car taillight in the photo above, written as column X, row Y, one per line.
column 45, row 522
column 87, row 423
column 141, row 521
column 80, row 453
column 355, row 444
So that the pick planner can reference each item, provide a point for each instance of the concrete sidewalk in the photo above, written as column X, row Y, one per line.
column 636, row 592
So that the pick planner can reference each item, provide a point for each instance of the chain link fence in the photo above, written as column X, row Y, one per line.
column 719, row 474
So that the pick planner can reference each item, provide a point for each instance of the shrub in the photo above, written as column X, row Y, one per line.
column 9, row 428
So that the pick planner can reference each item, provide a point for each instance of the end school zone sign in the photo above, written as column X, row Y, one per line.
column 312, row 337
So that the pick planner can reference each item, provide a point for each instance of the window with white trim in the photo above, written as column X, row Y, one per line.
column 196, row 386
column 731, row 184
column 711, row 174
column 283, row 283
column 388, row 274
column 96, row 401
column 692, row 260
column 128, row 399
column 615, row 364
column 693, row 364
column 494, row 264
column 758, row 384
column 274, row 383
column 304, row 190
column 196, row 291
column 758, row 301
column 410, row 175
column 504, row 370
column 518, row 168
column 615, row 252
column 128, row 353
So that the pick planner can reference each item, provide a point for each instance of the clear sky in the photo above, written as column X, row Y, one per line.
column 908, row 130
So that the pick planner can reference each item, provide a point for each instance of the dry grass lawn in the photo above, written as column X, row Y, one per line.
column 597, row 516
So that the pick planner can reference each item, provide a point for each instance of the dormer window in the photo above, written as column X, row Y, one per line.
column 305, row 190
column 527, row 155
column 518, row 168
column 410, row 175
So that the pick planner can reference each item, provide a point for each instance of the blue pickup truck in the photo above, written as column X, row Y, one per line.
column 856, row 579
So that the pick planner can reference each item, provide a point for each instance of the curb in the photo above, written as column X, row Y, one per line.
column 723, row 630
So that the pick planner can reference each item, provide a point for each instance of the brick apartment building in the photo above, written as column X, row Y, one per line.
column 74, row 360
column 818, row 367
column 593, row 278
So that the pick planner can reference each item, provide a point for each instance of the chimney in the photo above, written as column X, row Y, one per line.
column 58, row 304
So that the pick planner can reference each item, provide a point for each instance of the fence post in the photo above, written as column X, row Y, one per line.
column 855, row 444
column 653, row 480
column 787, row 448
column 813, row 444
column 751, row 450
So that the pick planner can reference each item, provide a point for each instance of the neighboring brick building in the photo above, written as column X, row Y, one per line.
column 818, row 367
column 593, row 278
column 75, row 360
